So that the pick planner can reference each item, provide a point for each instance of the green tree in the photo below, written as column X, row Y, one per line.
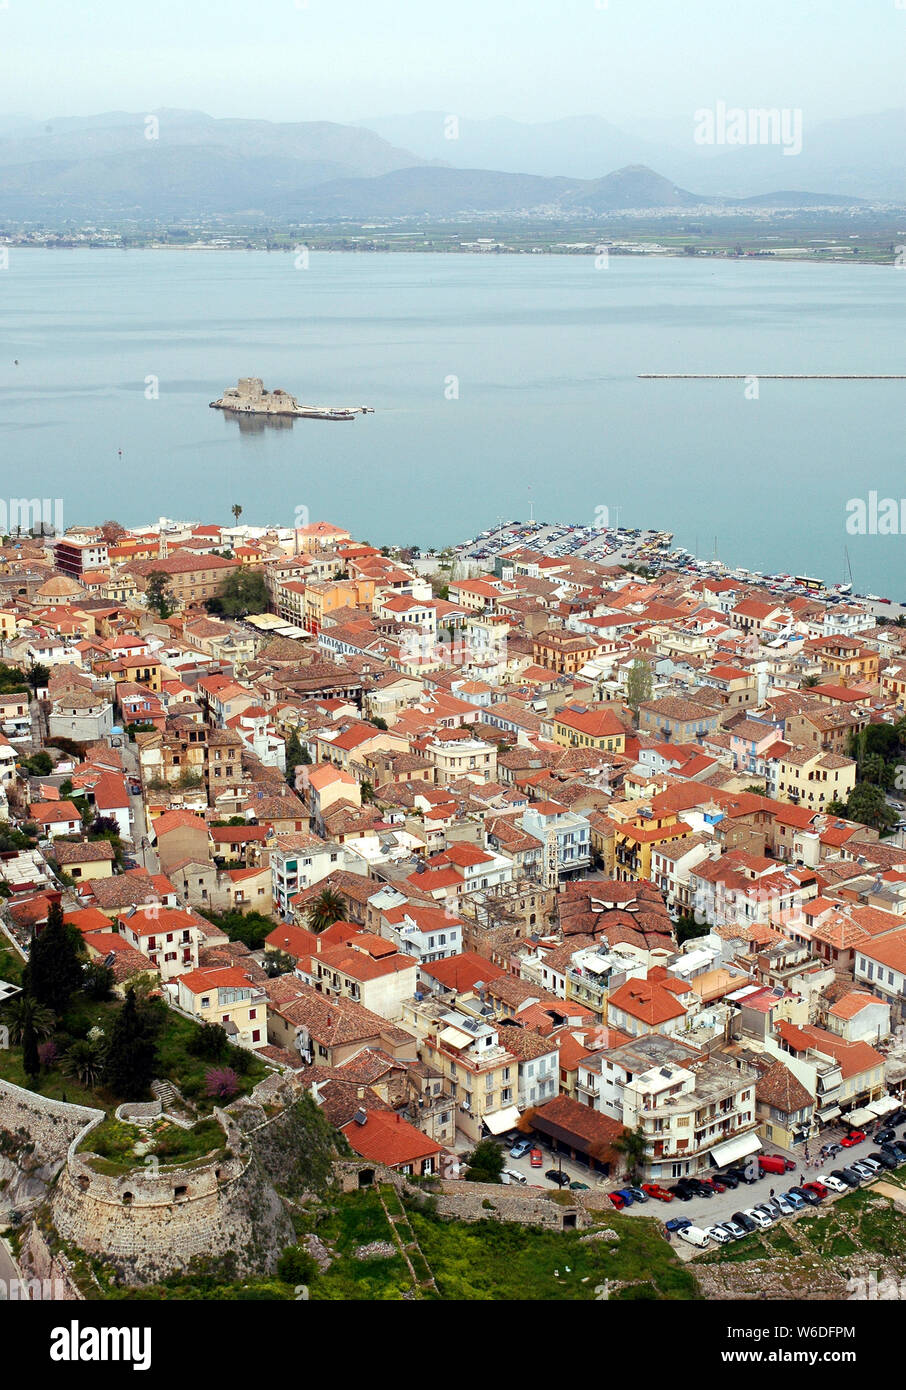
column 209, row 1041
column 159, row 594
column 296, row 755
column 484, row 1163
column 83, row 1062
column 632, row 1145
column 687, row 928
column 639, row 686
column 327, row 908
column 243, row 590
column 25, row 1011
column 30, row 1059
column 54, row 969
column 866, row 805
column 97, row 981
column 237, row 512
column 296, row 1266
column 38, row 676
column 129, row 1064
column 367, row 790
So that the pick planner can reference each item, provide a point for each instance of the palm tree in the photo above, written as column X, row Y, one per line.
column 26, row 1011
column 632, row 1144
column 237, row 511
column 83, row 1063
column 327, row 908
column 367, row 791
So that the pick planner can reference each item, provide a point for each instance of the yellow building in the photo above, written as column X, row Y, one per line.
column 808, row 778
column 227, row 997
column 590, row 728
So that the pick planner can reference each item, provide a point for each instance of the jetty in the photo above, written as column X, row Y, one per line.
column 250, row 397
column 764, row 376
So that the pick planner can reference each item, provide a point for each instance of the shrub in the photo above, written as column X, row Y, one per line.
column 297, row 1266
column 221, row 1083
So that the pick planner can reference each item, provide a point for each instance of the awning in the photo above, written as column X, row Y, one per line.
column 884, row 1105
column 856, row 1118
column 454, row 1037
column 502, row 1120
column 734, row 1149
column 830, row 1113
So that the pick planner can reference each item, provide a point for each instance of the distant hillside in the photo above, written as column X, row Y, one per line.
column 194, row 166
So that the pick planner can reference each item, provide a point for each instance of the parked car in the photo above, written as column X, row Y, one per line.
column 583, row 1187
column 562, row 1180
column 536, row 1158
column 744, row 1175
column 848, row 1176
column 734, row 1229
column 694, row 1235
column 898, row 1147
column 855, row 1136
column 715, row 1184
column 617, row 1199
column 835, row 1184
column 818, row 1188
column 696, row 1187
column 869, row 1162
column 775, row 1163
column 677, row 1223
column 513, row 1175
column 682, row 1192
column 794, row 1199
column 831, row 1150
column 718, row 1235
column 744, row 1221
column 896, row 1119
column 884, row 1136
column 861, row 1167
column 521, row 1148
column 637, row 1194
column 786, row 1207
column 761, row 1219
column 654, row 1189
column 729, row 1179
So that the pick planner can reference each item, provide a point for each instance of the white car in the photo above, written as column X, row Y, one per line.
column 694, row 1235
column 718, row 1235
column 871, row 1164
column 834, row 1184
column 761, row 1221
column 735, row 1232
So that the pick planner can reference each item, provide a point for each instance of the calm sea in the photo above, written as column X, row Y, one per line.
column 498, row 383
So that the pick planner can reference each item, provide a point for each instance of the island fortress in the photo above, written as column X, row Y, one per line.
column 250, row 398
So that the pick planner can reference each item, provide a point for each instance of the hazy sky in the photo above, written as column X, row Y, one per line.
column 531, row 59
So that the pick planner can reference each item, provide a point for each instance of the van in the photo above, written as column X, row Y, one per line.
column 773, row 1163
column 694, row 1235
column 512, row 1175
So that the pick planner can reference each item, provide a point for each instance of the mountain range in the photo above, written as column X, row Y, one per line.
column 185, row 164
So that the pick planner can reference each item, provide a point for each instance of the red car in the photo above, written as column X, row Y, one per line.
column 654, row 1189
column 855, row 1136
column 618, row 1201
column 715, row 1184
column 536, row 1158
column 817, row 1187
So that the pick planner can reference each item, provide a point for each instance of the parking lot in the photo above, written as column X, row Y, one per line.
column 702, row 1211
